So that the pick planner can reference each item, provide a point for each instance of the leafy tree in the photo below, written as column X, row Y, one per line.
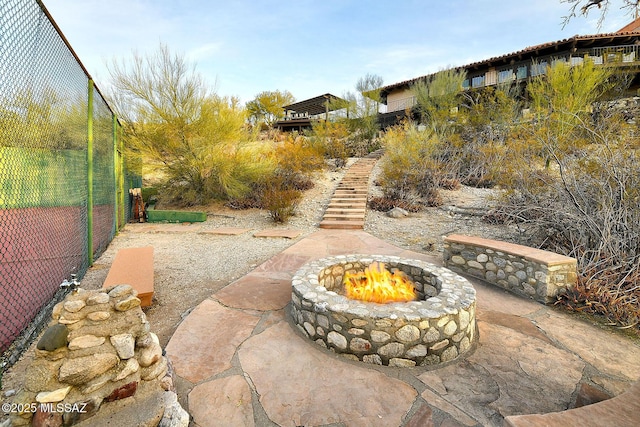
column 483, row 124
column 437, row 99
column 266, row 107
column 562, row 100
column 196, row 138
column 368, row 88
column 360, row 119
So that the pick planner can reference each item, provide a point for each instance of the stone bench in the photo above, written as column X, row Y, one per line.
column 533, row 273
column 620, row 411
column 133, row 266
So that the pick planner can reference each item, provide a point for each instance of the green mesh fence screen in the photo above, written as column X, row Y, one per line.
column 44, row 174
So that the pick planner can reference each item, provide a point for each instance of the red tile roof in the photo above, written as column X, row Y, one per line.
column 537, row 50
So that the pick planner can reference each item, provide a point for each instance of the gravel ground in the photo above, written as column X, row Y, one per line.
column 189, row 266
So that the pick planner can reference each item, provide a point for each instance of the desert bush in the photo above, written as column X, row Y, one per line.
column 331, row 138
column 604, row 288
column 279, row 199
column 296, row 159
column 438, row 99
column 575, row 189
column 485, row 119
column 411, row 169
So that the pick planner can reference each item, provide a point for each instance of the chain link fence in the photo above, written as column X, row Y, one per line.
column 63, row 182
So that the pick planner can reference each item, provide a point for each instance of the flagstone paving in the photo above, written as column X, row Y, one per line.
column 241, row 363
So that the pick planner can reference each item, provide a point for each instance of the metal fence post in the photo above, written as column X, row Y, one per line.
column 90, row 173
column 119, row 171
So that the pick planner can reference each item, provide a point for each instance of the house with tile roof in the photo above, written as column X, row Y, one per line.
column 620, row 49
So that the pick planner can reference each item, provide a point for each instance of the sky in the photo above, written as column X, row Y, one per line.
column 244, row 47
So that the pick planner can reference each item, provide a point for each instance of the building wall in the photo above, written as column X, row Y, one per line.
column 400, row 100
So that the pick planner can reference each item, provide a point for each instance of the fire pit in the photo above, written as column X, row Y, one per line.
column 437, row 327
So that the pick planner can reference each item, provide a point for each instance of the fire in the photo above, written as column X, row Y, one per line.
column 377, row 284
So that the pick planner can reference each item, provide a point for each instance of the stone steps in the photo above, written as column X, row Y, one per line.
column 348, row 205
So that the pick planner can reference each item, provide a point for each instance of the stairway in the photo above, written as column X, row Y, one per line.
column 348, row 204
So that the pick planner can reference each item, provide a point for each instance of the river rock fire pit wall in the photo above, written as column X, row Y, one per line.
column 436, row 328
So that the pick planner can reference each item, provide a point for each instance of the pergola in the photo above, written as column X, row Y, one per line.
column 300, row 114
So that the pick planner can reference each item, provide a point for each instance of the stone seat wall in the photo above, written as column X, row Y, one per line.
column 529, row 272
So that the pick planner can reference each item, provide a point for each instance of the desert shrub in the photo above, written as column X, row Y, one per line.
column 437, row 100
column 225, row 171
column 411, row 169
column 361, row 141
column 279, row 199
column 575, row 189
column 331, row 138
column 450, row 184
column 485, row 119
column 604, row 289
column 296, row 159
column 197, row 139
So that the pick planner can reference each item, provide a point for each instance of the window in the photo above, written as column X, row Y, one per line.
column 522, row 72
column 477, row 81
column 505, row 76
column 538, row 68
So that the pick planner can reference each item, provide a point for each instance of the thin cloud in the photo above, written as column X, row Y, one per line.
column 205, row 51
column 311, row 47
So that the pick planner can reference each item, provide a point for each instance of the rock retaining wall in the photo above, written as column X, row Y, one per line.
column 529, row 272
column 97, row 350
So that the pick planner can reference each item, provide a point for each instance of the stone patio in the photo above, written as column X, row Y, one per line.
column 239, row 362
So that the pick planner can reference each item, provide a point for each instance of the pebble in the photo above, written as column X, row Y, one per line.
column 74, row 306
column 98, row 316
column 99, row 298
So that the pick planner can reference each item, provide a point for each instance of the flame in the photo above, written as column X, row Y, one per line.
column 377, row 284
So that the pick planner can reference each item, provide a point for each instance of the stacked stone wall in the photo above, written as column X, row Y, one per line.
column 528, row 272
column 98, row 349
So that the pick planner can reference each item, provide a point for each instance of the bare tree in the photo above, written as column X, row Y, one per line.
column 583, row 7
